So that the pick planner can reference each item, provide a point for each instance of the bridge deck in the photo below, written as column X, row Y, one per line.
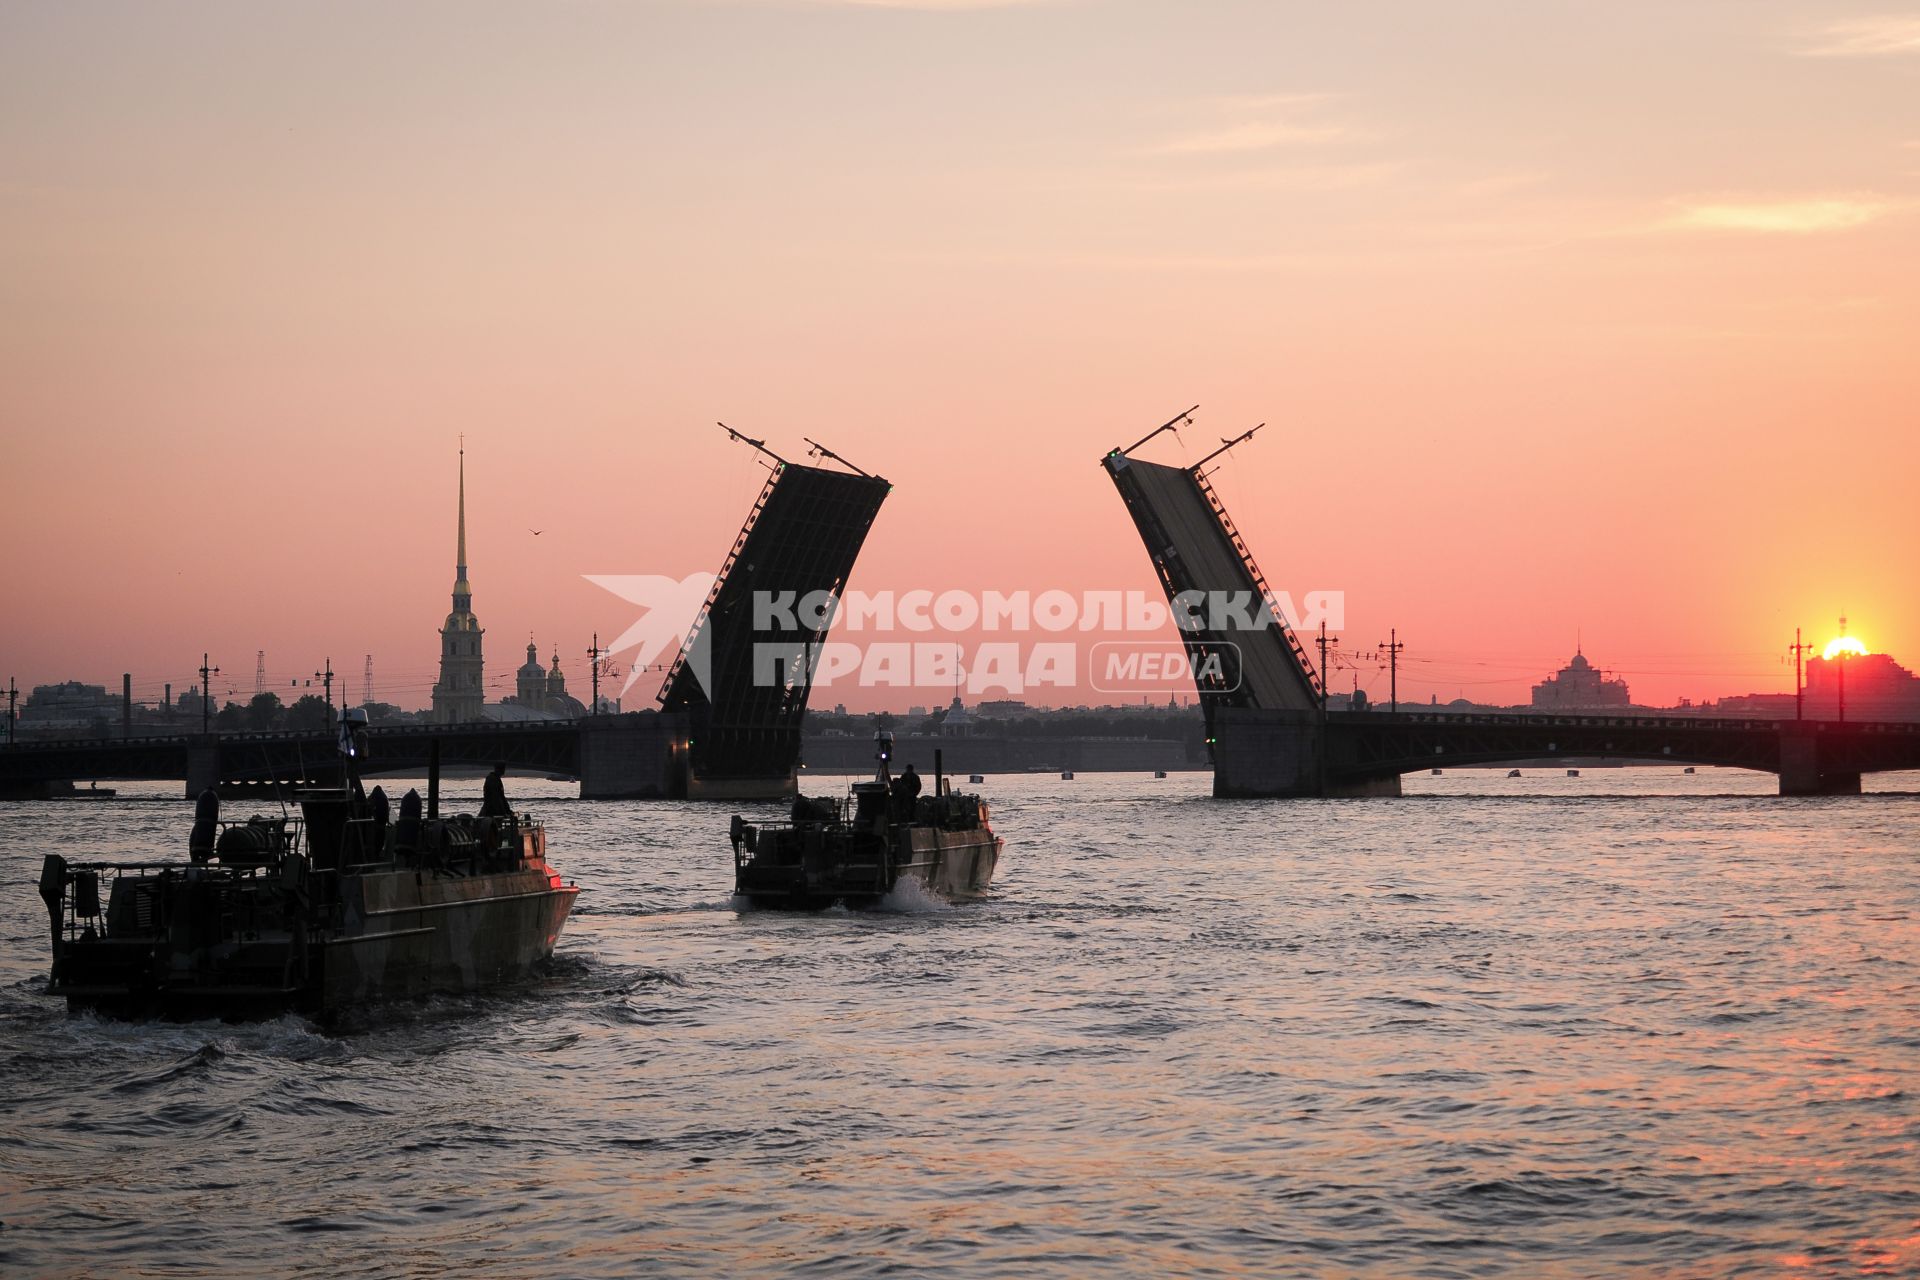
column 1361, row 745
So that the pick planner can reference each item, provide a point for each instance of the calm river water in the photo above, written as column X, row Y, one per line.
column 1634, row 1022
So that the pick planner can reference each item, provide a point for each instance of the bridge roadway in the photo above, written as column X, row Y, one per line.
column 638, row 755
column 1256, row 753
column 1262, row 753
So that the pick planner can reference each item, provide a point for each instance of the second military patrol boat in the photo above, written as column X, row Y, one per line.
column 859, row 850
column 312, row 914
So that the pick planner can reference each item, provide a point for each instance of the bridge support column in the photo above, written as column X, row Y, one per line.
column 1278, row 753
column 1265, row 753
column 641, row 755
column 203, row 767
column 1800, row 771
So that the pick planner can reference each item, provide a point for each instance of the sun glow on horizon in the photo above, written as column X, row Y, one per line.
column 1847, row 645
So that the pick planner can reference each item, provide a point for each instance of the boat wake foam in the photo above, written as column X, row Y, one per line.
column 912, row 897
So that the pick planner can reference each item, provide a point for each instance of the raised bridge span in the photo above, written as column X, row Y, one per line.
column 1270, row 733
column 731, row 707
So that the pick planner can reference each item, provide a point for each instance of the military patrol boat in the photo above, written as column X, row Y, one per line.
column 857, row 850
column 312, row 913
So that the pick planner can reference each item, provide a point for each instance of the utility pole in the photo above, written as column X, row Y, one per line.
column 1326, row 672
column 1840, row 669
column 1326, row 676
column 594, row 654
column 326, row 678
column 1393, row 648
column 1799, row 697
column 206, row 694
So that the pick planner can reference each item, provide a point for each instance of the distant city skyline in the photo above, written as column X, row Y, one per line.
column 1549, row 344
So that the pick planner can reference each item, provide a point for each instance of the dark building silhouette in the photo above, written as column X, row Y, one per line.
column 1878, row 688
column 1579, row 686
column 460, row 694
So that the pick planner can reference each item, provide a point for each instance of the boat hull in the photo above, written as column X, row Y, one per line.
column 951, row 864
column 403, row 934
column 418, row 935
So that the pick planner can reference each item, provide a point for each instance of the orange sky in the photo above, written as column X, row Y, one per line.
column 1567, row 319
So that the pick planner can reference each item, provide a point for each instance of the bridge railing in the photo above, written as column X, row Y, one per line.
column 1717, row 723
column 272, row 736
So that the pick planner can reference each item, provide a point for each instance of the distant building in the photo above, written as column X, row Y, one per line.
column 1755, row 706
column 1002, row 709
column 540, row 694
column 958, row 722
column 1877, row 687
column 460, row 695
column 68, row 706
column 1579, row 686
column 530, row 685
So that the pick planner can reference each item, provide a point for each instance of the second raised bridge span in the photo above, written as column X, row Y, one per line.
column 1270, row 734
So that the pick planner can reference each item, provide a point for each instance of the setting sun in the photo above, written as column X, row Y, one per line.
column 1843, row 645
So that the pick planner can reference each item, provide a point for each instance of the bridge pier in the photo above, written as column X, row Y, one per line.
column 1265, row 753
column 1258, row 753
column 641, row 755
column 203, row 766
column 1800, row 766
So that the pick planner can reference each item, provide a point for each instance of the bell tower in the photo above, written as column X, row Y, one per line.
column 459, row 695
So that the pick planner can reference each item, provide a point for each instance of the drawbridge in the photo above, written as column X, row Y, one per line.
column 1268, row 729
column 1206, row 569
column 743, row 676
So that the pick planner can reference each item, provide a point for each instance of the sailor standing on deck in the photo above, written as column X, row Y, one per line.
column 493, row 798
column 406, row 834
column 906, row 790
column 206, row 825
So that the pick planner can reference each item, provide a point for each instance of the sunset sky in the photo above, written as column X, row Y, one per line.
column 1595, row 320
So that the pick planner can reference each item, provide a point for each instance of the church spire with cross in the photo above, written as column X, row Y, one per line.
column 460, row 694
column 462, row 592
